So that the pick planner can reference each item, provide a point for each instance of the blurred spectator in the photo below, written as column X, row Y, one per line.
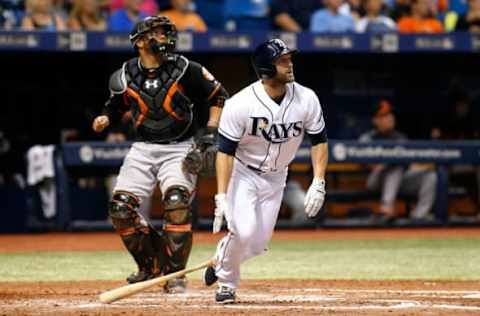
column 420, row 20
column 8, row 19
column 458, row 6
column 471, row 20
column 353, row 8
column 11, row 13
column 330, row 19
column 123, row 20
column 374, row 21
column 41, row 16
column 184, row 18
column 250, row 15
column 86, row 16
column 293, row 15
column 393, row 179
column 212, row 12
column 63, row 7
column 399, row 9
column 150, row 7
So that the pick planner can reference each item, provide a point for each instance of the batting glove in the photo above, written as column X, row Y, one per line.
column 315, row 197
column 221, row 208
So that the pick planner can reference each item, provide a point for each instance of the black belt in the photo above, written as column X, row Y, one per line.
column 255, row 169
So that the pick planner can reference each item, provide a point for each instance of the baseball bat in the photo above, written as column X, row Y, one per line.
column 131, row 289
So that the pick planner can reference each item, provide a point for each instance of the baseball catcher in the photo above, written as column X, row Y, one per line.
column 171, row 99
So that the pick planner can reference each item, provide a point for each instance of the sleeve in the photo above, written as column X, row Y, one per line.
column 232, row 122
column 116, row 105
column 314, row 123
column 226, row 145
column 316, row 23
column 201, row 85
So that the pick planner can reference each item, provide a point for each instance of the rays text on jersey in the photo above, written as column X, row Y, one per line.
column 275, row 133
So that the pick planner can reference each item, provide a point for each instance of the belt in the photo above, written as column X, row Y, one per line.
column 259, row 171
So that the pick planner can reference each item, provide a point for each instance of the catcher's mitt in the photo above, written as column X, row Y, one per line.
column 201, row 159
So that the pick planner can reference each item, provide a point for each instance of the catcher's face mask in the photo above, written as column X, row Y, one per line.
column 158, row 32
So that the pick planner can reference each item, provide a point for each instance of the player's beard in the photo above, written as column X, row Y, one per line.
column 285, row 78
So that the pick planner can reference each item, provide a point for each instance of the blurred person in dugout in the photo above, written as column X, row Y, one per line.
column 389, row 179
column 42, row 16
column 86, row 15
column 184, row 17
column 461, row 124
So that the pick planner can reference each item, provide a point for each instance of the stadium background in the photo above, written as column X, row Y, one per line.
column 55, row 83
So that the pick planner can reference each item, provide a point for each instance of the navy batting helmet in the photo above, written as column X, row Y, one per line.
column 146, row 25
column 265, row 54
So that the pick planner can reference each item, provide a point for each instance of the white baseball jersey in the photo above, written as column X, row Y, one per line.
column 270, row 134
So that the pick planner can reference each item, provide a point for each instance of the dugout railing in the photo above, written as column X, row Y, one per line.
column 102, row 156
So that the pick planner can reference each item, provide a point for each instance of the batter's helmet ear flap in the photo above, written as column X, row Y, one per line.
column 263, row 71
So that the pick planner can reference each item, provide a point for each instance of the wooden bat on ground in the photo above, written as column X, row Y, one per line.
column 128, row 290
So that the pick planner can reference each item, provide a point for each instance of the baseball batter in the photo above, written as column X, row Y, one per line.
column 170, row 98
column 261, row 129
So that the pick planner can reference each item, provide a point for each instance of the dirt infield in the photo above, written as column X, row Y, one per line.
column 286, row 297
column 272, row 297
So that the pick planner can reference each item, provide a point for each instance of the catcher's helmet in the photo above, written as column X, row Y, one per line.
column 265, row 54
column 143, row 27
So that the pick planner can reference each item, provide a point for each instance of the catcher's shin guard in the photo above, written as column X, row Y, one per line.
column 178, row 228
column 143, row 242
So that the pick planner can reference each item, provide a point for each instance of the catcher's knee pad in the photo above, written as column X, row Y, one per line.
column 177, row 206
column 124, row 215
column 178, row 227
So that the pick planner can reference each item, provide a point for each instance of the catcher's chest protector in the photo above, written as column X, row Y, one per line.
column 161, row 112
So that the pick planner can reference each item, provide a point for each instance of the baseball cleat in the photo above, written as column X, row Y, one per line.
column 225, row 295
column 209, row 276
column 176, row 286
column 141, row 276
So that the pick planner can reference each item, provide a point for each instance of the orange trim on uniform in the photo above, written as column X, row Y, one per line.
column 168, row 250
column 180, row 88
column 125, row 99
column 217, row 87
column 145, row 230
column 178, row 228
column 126, row 231
column 168, row 101
column 141, row 104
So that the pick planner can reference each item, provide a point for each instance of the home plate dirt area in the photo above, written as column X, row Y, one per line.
column 273, row 297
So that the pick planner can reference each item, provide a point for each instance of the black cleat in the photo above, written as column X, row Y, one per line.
column 225, row 295
column 141, row 276
column 176, row 286
column 209, row 276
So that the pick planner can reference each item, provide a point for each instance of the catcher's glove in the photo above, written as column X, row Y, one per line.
column 201, row 159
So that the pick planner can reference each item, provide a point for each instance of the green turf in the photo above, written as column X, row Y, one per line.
column 440, row 259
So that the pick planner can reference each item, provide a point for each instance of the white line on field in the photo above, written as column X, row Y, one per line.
column 433, row 292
